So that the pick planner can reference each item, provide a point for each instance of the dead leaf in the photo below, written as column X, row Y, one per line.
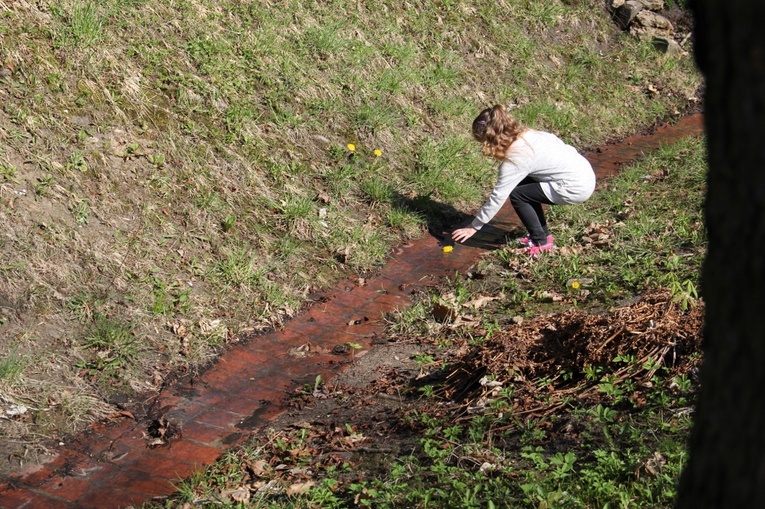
column 301, row 351
column 240, row 494
column 300, row 487
column 653, row 465
column 179, row 329
column 466, row 320
column 570, row 250
column 443, row 313
column 480, row 301
column 15, row 411
column 354, row 438
column 258, row 468
column 550, row 297
column 121, row 413
column 207, row 326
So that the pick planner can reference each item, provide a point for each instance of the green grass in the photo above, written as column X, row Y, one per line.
column 175, row 161
column 114, row 353
column 652, row 218
column 10, row 368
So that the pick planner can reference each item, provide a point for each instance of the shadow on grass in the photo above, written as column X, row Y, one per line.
column 441, row 219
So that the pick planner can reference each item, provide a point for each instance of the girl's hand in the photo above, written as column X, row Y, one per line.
column 463, row 234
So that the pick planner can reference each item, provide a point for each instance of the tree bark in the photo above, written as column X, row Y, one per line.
column 726, row 466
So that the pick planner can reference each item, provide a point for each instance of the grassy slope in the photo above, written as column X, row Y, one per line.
column 165, row 165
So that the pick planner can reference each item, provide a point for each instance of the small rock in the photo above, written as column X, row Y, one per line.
column 648, row 24
column 667, row 45
column 15, row 410
column 627, row 12
column 341, row 349
column 653, row 5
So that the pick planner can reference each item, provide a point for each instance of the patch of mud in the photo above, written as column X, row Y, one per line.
column 374, row 387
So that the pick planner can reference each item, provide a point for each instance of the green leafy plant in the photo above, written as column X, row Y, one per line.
column 8, row 172
column 169, row 298
column 80, row 209
column 114, row 347
column 43, row 184
column 77, row 161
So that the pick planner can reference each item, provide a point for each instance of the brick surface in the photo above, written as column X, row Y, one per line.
column 223, row 378
column 25, row 499
column 300, row 333
column 151, row 484
column 221, row 419
column 36, row 476
column 190, row 452
column 96, row 472
column 68, row 488
column 110, row 498
column 169, row 467
column 65, row 459
column 176, row 408
column 122, row 451
column 111, row 465
column 262, row 417
column 204, row 433
column 251, row 356
column 243, row 402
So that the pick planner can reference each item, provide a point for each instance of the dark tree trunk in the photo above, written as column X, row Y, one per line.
column 727, row 447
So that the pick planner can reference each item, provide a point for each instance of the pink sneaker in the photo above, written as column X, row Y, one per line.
column 527, row 242
column 534, row 250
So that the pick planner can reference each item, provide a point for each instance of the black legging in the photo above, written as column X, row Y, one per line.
column 527, row 199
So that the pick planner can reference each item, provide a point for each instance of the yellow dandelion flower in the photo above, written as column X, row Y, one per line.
column 575, row 285
column 378, row 152
column 351, row 147
column 448, row 249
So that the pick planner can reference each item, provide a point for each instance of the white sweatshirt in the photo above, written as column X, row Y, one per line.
column 565, row 175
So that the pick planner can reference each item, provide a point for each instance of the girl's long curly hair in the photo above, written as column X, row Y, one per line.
column 496, row 130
